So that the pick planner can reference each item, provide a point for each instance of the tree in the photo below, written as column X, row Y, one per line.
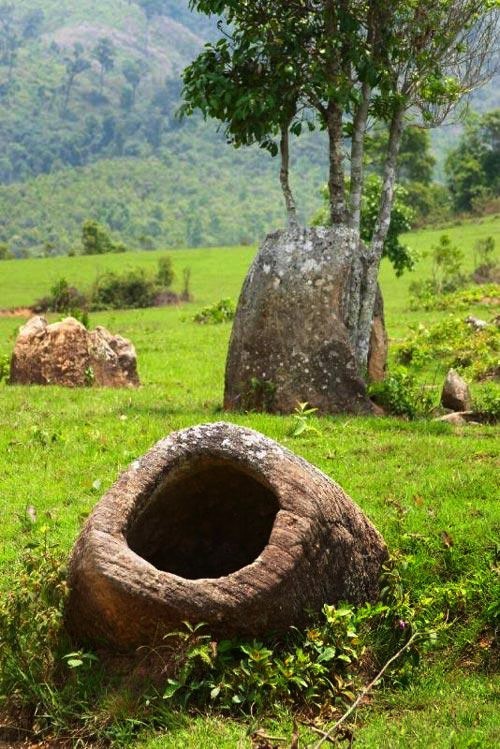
column 473, row 168
column 32, row 23
column 95, row 239
column 153, row 8
column 415, row 160
column 10, row 40
column 104, row 52
column 133, row 71
column 76, row 64
column 333, row 64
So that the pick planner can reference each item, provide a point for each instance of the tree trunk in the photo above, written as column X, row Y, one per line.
column 336, row 171
column 291, row 208
column 369, row 293
column 357, row 155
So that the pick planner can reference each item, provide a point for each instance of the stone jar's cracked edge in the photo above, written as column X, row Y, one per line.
column 322, row 549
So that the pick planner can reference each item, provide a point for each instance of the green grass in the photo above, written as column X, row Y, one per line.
column 61, row 450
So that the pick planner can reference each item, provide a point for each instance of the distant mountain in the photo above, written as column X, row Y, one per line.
column 89, row 91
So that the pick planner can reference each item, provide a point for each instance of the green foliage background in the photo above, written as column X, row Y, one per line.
column 153, row 180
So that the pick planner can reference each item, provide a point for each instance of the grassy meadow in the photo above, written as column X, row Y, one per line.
column 431, row 489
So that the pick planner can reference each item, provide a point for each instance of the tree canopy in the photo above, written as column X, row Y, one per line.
column 473, row 168
column 334, row 64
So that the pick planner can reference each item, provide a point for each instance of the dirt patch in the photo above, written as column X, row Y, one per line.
column 16, row 312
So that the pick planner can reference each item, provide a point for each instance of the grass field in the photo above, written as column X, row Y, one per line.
column 62, row 449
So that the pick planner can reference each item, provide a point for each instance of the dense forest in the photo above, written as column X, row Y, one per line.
column 89, row 94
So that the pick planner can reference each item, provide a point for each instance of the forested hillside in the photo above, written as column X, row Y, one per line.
column 89, row 92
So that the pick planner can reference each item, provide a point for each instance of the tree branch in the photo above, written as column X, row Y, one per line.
column 329, row 734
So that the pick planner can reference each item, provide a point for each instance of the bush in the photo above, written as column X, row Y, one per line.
column 4, row 367
column 5, row 253
column 166, row 273
column 62, row 298
column 447, row 273
column 31, row 630
column 96, row 240
column 130, row 291
column 223, row 311
column 400, row 395
column 487, row 402
column 485, row 268
column 427, row 299
column 453, row 343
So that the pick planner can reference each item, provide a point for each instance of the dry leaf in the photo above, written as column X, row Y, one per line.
column 447, row 539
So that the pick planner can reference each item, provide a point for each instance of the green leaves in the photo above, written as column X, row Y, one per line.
column 301, row 416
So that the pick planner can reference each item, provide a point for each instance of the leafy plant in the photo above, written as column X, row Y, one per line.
column 63, row 298
column 453, row 343
column 487, row 402
column 4, row 367
column 426, row 298
column 223, row 311
column 5, row 253
column 165, row 273
column 484, row 261
column 97, row 241
column 447, row 275
column 131, row 290
column 400, row 395
column 301, row 416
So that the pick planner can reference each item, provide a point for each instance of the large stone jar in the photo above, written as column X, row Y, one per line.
column 218, row 524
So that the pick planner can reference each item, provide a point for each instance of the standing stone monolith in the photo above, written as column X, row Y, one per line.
column 293, row 338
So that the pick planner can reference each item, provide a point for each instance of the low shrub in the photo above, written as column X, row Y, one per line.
column 97, row 241
column 165, row 273
column 453, row 343
column 487, row 402
column 447, row 275
column 398, row 394
column 485, row 295
column 129, row 291
column 4, row 367
column 223, row 311
column 486, row 268
column 62, row 298
column 5, row 253
column 63, row 692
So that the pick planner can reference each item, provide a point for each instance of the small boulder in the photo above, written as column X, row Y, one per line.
column 66, row 353
column 463, row 417
column 476, row 323
column 456, row 394
column 454, row 418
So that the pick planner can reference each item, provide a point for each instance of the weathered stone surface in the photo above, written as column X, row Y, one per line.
column 476, row 323
column 379, row 343
column 456, row 394
column 114, row 361
column 65, row 353
column 218, row 524
column 290, row 342
column 462, row 417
